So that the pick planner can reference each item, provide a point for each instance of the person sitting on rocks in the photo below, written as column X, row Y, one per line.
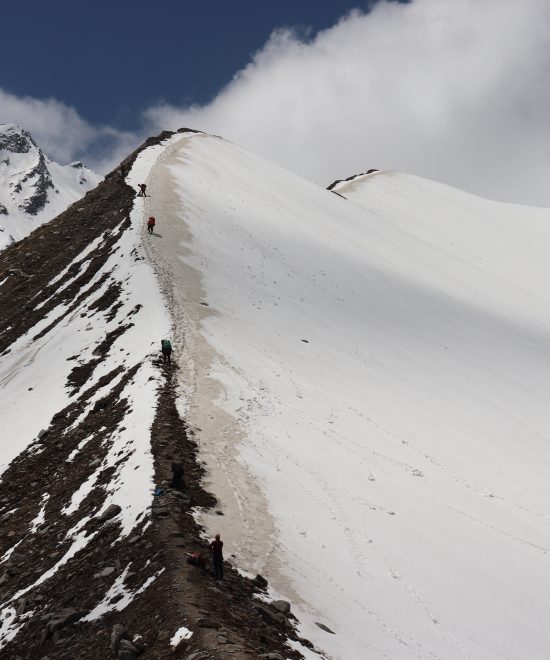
column 142, row 187
column 217, row 557
column 177, row 475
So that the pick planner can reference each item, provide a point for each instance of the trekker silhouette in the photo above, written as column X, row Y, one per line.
column 166, row 348
column 217, row 557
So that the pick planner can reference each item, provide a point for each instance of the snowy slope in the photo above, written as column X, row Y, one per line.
column 375, row 372
column 33, row 188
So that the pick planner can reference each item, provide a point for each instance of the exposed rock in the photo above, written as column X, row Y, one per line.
column 110, row 512
column 325, row 628
column 61, row 619
column 269, row 615
column 272, row 656
column 208, row 623
column 261, row 581
column 19, row 272
column 281, row 605
column 118, row 632
column 127, row 651
column 22, row 604
column 108, row 570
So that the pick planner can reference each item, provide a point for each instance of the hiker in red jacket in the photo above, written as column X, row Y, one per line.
column 151, row 224
column 217, row 557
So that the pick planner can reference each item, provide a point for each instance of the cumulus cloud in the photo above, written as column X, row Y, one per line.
column 454, row 91
column 63, row 134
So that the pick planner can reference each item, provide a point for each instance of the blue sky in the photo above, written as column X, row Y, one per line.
column 452, row 90
column 113, row 59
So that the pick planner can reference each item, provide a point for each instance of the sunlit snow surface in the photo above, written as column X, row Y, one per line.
column 387, row 359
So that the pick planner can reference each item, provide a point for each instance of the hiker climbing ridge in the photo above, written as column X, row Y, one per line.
column 166, row 348
column 151, row 224
column 142, row 187
column 217, row 557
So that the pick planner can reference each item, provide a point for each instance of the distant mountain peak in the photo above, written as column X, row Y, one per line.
column 16, row 139
column 33, row 188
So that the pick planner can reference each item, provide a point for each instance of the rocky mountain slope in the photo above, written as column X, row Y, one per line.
column 90, row 428
column 33, row 188
column 359, row 398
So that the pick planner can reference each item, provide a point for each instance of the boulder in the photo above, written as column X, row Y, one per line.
column 61, row 619
column 110, row 512
column 108, row 570
column 325, row 628
column 21, row 605
column 269, row 615
column 281, row 606
column 117, row 634
column 208, row 623
column 261, row 581
column 127, row 651
column 19, row 272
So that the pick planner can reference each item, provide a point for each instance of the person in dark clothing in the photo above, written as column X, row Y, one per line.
column 166, row 348
column 151, row 224
column 217, row 557
column 177, row 475
column 142, row 187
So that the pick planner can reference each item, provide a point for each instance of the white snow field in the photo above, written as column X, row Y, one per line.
column 368, row 379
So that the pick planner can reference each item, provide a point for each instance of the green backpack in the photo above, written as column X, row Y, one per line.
column 166, row 345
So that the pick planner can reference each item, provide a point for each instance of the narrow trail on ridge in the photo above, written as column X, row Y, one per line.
column 246, row 526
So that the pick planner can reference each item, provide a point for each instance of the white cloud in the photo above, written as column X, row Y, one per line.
column 456, row 91
column 453, row 90
column 60, row 131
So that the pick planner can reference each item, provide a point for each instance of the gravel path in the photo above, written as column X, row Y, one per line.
column 246, row 526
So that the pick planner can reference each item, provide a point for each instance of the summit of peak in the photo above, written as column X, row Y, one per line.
column 16, row 139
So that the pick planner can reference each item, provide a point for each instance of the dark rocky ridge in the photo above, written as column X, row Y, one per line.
column 225, row 617
column 19, row 142
column 350, row 178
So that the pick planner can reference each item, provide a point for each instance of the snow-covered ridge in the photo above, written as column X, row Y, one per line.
column 33, row 188
column 378, row 366
column 367, row 379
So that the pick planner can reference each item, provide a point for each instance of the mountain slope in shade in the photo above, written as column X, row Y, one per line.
column 33, row 188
